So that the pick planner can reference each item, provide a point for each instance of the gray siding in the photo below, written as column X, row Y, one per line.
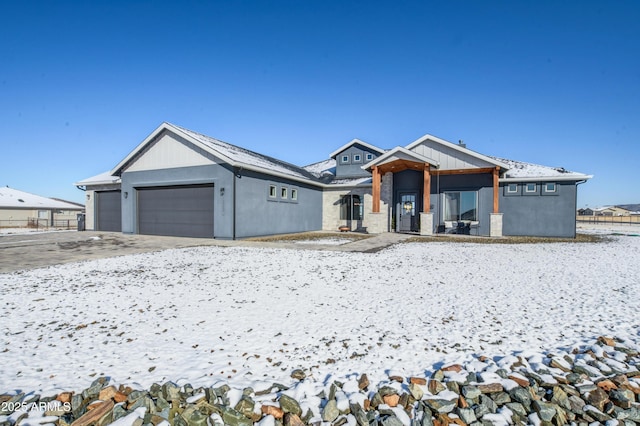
column 540, row 215
column 258, row 214
column 353, row 168
column 221, row 176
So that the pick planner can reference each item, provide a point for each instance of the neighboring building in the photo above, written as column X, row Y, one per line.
column 611, row 211
column 22, row 209
column 585, row 212
column 179, row 182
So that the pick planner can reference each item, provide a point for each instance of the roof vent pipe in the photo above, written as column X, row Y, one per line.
column 462, row 144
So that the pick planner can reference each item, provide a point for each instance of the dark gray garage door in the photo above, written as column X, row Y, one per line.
column 181, row 211
column 108, row 211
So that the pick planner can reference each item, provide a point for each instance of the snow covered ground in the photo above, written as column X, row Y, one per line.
column 245, row 315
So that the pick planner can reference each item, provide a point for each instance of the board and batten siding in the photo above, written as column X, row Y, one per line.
column 170, row 151
column 449, row 158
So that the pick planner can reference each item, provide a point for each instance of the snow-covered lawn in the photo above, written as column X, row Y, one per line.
column 20, row 231
column 242, row 315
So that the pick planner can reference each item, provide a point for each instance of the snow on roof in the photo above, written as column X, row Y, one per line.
column 322, row 167
column 13, row 198
column 102, row 178
column 521, row 170
column 247, row 157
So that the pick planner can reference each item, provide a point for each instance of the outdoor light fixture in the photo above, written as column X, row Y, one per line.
column 126, row 194
column 222, row 191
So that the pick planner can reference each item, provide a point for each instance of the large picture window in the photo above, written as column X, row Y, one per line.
column 461, row 205
column 351, row 207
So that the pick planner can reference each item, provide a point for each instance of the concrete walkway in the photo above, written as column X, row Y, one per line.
column 37, row 250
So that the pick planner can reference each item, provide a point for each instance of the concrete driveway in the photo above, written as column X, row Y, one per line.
column 29, row 251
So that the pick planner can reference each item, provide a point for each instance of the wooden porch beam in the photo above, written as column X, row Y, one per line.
column 375, row 191
column 426, row 189
column 496, row 187
column 465, row 171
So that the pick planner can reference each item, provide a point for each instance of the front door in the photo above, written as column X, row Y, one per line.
column 407, row 212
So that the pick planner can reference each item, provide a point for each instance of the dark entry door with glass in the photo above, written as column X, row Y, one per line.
column 407, row 221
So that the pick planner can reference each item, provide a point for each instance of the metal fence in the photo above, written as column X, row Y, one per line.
column 628, row 220
column 34, row 223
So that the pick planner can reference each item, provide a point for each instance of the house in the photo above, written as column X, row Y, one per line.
column 611, row 211
column 180, row 182
column 585, row 212
column 22, row 209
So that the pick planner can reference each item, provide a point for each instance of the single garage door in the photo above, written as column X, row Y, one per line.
column 181, row 211
column 108, row 211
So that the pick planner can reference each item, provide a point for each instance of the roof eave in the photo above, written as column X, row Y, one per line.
column 575, row 178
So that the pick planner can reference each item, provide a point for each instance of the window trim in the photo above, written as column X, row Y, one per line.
column 357, row 158
column 512, row 185
column 369, row 156
column 273, row 191
column 550, row 191
column 533, row 191
column 294, row 194
column 345, row 159
column 284, row 193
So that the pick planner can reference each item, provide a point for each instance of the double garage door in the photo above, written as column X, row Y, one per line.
column 181, row 211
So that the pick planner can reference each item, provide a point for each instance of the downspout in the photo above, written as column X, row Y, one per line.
column 233, row 236
column 575, row 208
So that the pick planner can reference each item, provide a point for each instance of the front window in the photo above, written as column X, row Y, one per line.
column 283, row 193
column 462, row 205
column 356, row 158
column 549, row 187
column 512, row 188
column 531, row 187
column 345, row 159
column 351, row 207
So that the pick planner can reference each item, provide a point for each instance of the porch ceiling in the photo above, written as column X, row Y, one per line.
column 400, row 165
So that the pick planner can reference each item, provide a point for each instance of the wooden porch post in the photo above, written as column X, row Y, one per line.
column 426, row 189
column 376, row 190
column 495, row 189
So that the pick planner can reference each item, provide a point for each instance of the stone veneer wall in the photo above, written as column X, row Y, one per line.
column 373, row 222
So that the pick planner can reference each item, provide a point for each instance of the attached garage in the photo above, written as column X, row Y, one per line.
column 108, row 211
column 180, row 211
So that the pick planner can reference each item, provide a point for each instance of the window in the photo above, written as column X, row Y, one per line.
column 549, row 187
column 356, row 158
column 531, row 187
column 351, row 207
column 512, row 188
column 294, row 194
column 369, row 157
column 283, row 192
column 345, row 159
column 272, row 191
column 461, row 205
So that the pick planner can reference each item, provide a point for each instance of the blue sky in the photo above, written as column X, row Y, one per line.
column 554, row 83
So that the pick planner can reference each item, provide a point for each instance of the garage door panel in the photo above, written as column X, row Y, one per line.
column 185, row 211
column 108, row 211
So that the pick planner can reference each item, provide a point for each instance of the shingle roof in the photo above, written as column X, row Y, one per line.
column 522, row 170
column 244, row 156
column 13, row 198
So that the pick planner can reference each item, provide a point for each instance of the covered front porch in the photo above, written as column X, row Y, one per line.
column 426, row 200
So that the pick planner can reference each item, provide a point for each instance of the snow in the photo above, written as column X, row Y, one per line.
column 247, row 157
column 102, row 178
column 520, row 169
column 13, row 198
column 250, row 316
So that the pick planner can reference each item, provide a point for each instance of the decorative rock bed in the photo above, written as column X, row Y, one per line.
column 598, row 384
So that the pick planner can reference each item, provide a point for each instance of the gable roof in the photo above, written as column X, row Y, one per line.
column 356, row 142
column 457, row 147
column 401, row 154
column 228, row 153
column 15, row 199
column 104, row 178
